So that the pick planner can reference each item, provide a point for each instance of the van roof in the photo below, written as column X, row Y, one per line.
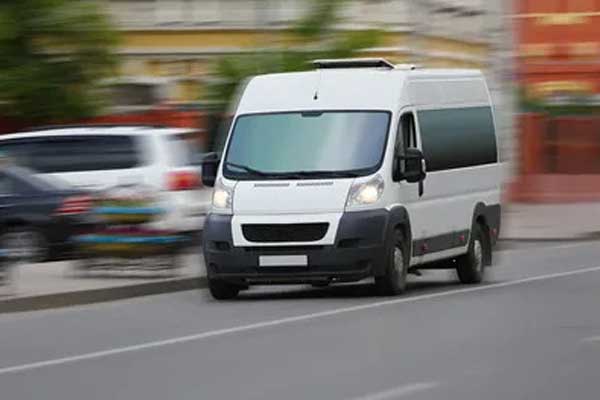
column 68, row 130
column 338, row 88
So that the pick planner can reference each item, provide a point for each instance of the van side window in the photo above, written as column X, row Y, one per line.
column 407, row 138
column 458, row 137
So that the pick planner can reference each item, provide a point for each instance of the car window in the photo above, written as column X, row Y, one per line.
column 73, row 153
column 184, row 152
column 6, row 186
column 25, row 178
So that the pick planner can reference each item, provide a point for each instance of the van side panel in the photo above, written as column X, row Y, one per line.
column 457, row 135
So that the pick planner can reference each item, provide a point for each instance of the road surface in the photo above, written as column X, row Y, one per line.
column 531, row 332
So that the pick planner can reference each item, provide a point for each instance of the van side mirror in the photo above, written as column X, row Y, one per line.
column 414, row 166
column 210, row 166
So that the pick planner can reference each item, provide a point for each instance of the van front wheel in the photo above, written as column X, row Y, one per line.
column 471, row 266
column 222, row 290
column 394, row 281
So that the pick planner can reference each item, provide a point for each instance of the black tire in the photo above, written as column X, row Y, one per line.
column 471, row 267
column 222, row 290
column 393, row 283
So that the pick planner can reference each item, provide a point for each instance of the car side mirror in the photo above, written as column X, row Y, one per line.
column 210, row 166
column 414, row 166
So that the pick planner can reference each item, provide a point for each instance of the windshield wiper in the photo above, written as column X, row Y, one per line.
column 321, row 174
column 295, row 174
column 247, row 169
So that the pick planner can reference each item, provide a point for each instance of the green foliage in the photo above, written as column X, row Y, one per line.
column 313, row 37
column 318, row 20
column 54, row 52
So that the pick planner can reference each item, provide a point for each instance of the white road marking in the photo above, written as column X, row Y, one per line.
column 399, row 392
column 542, row 246
column 595, row 339
column 278, row 322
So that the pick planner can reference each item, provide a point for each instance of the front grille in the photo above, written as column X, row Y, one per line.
column 283, row 250
column 278, row 233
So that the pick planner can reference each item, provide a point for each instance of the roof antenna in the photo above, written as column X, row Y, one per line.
column 316, row 96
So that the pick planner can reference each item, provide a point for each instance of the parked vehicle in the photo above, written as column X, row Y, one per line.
column 359, row 169
column 95, row 158
column 38, row 216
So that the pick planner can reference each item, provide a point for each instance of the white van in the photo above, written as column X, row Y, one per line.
column 98, row 157
column 357, row 169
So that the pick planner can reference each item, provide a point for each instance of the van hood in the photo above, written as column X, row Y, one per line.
column 291, row 197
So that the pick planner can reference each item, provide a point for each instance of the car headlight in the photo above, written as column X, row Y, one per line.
column 365, row 193
column 222, row 199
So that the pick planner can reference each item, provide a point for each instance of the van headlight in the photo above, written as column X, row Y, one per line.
column 222, row 199
column 365, row 193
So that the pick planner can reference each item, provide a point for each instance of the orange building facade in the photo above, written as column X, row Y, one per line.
column 558, row 62
column 558, row 47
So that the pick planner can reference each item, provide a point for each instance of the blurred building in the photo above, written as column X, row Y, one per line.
column 558, row 69
column 169, row 44
column 559, row 49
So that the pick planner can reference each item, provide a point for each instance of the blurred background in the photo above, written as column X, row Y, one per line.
column 179, row 62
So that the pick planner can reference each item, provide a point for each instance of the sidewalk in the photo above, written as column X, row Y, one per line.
column 572, row 221
column 52, row 285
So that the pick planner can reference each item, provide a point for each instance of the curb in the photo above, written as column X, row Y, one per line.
column 583, row 237
column 69, row 299
column 545, row 239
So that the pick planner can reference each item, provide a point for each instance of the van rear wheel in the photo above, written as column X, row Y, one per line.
column 394, row 281
column 471, row 266
column 221, row 290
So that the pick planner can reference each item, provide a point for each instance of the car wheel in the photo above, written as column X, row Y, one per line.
column 25, row 243
column 221, row 290
column 394, row 281
column 471, row 266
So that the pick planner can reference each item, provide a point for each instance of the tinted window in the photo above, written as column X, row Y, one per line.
column 73, row 153
column 181, row 151
column 457, row 138
column 6, row 186
column 344, row 141
column 26, row 181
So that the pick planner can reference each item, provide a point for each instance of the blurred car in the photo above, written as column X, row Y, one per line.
column 38, row 216
column 99, row 157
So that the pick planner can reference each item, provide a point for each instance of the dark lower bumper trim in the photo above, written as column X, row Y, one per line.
column 296, row 277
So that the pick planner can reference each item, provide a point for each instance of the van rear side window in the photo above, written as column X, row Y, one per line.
column 75, row 153
column 458, row 137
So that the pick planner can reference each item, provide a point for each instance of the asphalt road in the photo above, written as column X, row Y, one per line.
column 531, row 332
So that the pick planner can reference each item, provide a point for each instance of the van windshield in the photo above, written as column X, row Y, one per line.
column 305, row 145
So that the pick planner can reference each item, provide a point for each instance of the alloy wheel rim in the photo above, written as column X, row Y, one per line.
column 398, row 261
column 478, row 255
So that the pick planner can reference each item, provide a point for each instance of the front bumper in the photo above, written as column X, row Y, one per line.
column 358, row 252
